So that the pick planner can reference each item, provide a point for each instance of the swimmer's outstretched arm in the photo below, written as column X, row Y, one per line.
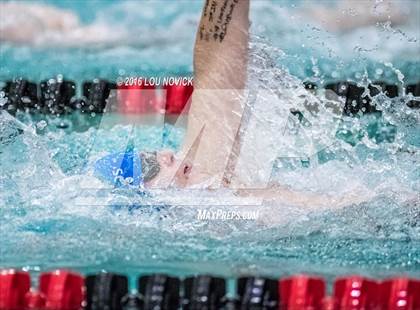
column 221, row 46
column 220, row 73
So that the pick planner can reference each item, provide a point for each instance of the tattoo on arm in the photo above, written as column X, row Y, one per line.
column 216, row 20
column 205, row 8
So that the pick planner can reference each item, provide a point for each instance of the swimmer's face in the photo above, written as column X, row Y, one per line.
column 171, row 171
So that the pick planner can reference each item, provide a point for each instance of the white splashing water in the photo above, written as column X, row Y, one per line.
column 49, row 220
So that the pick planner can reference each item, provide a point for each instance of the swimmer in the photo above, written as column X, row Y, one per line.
column 212, row 146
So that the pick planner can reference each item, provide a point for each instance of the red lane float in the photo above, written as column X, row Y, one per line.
column 35, row 301
column 400, row 294
column 355, row 293
column 14, row 285
column 178, row 98
column 328, row 303
column 63, row 290
column 139, row 99
column 302, row 292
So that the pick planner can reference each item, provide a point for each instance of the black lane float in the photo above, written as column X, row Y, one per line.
column 58, row 96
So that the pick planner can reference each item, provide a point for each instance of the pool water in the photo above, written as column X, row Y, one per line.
column 51, row 215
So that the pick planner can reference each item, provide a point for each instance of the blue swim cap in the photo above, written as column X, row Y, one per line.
column 120, row 169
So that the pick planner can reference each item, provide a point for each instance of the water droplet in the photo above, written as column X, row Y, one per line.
column 41, row 125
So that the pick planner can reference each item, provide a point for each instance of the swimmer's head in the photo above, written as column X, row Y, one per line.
column 164, row 168
column 150, row 165
column 138, row 168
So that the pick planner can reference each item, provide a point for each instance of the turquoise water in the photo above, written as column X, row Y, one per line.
column 143, row 27
column 50, row 215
